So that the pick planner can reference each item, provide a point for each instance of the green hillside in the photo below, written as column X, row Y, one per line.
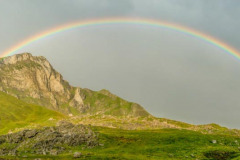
column 104, row 102
column 16, row 114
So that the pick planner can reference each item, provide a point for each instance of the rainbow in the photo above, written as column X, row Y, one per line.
column 155, row 23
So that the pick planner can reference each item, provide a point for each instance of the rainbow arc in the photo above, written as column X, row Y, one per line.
column 107, row 21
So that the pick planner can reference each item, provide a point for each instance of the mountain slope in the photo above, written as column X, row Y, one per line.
column 105, row 103
column 15, row 114
column 33, row 80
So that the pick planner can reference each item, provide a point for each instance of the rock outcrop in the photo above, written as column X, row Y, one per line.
column 49, row 140
column 33, row 79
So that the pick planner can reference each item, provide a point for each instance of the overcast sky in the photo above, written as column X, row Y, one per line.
column 171, row 74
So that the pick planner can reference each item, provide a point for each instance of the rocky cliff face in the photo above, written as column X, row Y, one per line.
column 33, row 80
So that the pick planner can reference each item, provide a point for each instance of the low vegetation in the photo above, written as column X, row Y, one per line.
column 163, row 144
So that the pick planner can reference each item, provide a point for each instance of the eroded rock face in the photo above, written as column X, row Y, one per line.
column 33, row 79
column 49, row 140
column 77, row 100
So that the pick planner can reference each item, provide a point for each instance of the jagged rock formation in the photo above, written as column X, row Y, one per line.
column 48, row 140
column 33, row 80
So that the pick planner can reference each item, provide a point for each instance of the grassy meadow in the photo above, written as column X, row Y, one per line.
column 163, row 144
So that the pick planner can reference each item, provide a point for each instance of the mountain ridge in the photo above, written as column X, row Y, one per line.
column 34, row 80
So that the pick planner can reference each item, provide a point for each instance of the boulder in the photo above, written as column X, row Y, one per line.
column 77, row 155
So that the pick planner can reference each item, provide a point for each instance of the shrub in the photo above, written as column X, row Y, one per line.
column 223, row 153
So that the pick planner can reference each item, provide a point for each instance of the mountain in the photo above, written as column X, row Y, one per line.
column 33, row 79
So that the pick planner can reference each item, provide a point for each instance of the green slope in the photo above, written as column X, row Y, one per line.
column 16, row 114
column 104, row 102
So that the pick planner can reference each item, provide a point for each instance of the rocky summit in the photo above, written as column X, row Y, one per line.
column 48, row 140
column 34, row 80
